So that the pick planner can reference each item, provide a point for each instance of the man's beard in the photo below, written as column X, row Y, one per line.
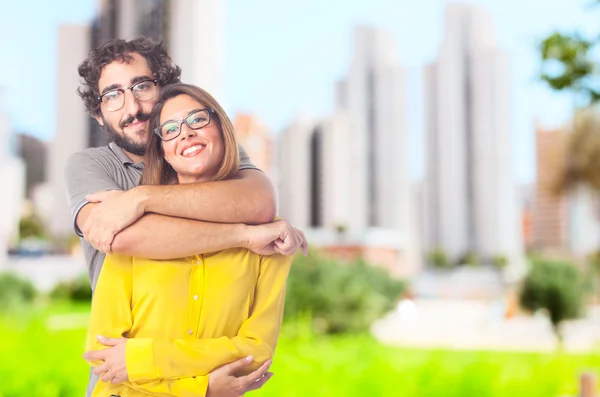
column 122, row 140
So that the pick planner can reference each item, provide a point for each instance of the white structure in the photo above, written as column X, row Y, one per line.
column 471, row 197
column 314, row 174
column 345, row 177
column 12, row 173
column 195, row 43
column 373, row 97
column 72, row 122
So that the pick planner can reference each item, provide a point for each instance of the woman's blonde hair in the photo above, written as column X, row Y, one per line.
column 157, row 171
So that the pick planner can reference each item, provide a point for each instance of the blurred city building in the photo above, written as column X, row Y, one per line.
column 33, row 152
column 72, row 125
column 253, row 135
column 562, row 223
column 345, row 177
column 12, row 172
column 549, row 215
column 471, row 199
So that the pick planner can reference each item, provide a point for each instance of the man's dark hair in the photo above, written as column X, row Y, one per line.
column 120, row 50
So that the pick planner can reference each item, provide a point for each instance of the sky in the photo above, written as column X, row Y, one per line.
column 282, row 58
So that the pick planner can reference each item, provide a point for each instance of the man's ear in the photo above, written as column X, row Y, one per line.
column 99, row 120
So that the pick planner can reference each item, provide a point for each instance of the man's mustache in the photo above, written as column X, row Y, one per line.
column 139, row 117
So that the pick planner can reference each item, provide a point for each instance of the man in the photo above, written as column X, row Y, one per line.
column 112, row 214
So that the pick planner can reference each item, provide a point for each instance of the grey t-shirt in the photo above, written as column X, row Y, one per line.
column 105, row 168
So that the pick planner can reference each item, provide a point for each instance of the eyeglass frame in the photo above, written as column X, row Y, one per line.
column 157, row 130
column 130, row 88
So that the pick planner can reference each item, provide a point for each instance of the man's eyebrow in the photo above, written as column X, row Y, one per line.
column 110, row 88
column 137, row 79
column 134, row 80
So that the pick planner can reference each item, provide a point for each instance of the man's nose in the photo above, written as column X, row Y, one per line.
column 132, row 104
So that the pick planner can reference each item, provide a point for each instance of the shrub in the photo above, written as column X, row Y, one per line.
column 339, row 297
column 15, row 291
column 555, row 287
column 76, row 290
column 438, row 259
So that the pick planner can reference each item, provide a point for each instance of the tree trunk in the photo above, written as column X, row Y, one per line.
column 560, row 338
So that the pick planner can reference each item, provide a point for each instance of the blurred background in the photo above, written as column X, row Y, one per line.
column 442, row 157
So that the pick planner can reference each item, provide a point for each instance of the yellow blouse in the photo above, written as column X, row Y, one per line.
column 186, row 317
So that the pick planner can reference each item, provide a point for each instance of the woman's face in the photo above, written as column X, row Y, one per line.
column 195, row 155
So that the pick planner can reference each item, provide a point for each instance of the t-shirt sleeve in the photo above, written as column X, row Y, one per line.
column 85, row 175
column 245, row 163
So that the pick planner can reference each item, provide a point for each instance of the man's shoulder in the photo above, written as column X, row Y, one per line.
column 94, row 153
column 102, row 154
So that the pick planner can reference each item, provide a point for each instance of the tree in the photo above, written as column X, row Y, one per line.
column 569, row 63
column 555, row 287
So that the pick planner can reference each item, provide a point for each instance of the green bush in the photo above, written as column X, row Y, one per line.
column 438, row 259
column 555, row 287
column 76, row 290
column 339, row 297
column 15, row 291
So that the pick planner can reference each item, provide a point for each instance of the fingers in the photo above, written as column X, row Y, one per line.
column 94, row 355
column 109, row 341
column 245, row 381
column 119, row 379
column 259, row 383
column 304, row 244
column 235, row 366
column 107, row 377
column 100, row 369
column 99, row 197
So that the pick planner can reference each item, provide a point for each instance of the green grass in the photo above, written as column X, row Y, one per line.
column 42, row 362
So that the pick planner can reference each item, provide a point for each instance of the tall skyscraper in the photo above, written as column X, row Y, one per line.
column 195, row 42
column 471, row 197
column 72, row 121
column 372, row 95
column 313, row 173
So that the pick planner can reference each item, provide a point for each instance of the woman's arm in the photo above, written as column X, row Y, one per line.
column 149, row 359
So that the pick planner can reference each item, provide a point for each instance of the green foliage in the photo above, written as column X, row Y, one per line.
column 31, row 227
column 438, row 259
column 15, row 291
column 469, row 259
column 555, row 287
column 77, row 290
column 500, row 261
column 567, row 64
column 339, row 297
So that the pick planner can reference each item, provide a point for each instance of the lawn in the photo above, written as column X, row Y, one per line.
column 41, row 356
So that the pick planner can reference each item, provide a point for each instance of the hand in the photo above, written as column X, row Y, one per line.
column 276, row 237
column 113, row 368
column 222, row 382
column 116, row 210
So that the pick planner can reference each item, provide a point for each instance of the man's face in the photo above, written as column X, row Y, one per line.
column 128, row 126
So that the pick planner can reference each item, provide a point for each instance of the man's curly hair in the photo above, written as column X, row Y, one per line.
column 120, row 50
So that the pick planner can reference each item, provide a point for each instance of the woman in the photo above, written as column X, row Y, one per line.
column 185, row 317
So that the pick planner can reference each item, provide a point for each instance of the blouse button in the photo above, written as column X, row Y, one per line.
column 198, row 263
column 190, row 332
column 195, row 297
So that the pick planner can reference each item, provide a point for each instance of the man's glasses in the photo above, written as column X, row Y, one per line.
column 172, row 129
column 144, row 90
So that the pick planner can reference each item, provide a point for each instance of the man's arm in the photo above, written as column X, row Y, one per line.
column 248, row 198
column 161, row 237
